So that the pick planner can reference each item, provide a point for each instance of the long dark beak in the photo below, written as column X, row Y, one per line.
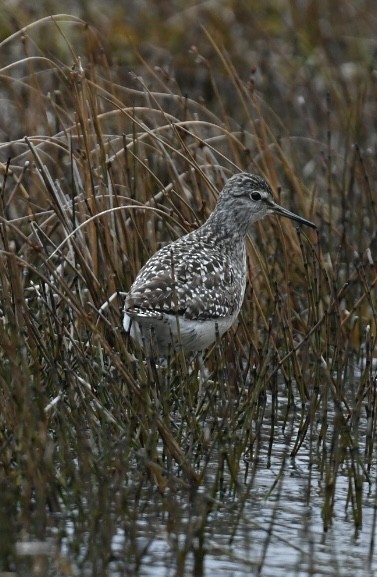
column 277, row 209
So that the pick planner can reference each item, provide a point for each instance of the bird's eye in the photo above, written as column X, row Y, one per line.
column 256, row 195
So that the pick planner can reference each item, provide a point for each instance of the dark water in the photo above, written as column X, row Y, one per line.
column 272, row 525
column 298, row 544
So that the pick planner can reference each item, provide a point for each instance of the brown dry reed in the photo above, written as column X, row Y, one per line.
column 99, row 168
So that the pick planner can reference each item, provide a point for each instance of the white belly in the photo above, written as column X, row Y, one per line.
column 161, row 334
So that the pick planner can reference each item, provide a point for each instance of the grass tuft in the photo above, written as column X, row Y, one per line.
column 98, row 444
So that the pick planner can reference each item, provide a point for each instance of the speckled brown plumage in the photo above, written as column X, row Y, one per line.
column 191, row 290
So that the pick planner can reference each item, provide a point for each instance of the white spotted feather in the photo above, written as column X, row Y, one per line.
column 190, row 292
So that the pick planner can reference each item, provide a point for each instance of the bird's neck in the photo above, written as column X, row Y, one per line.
column 226, row 228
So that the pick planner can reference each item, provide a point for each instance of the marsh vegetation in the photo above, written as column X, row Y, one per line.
column 115, row 138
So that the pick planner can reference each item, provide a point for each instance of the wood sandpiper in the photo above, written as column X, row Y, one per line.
column 190, row 292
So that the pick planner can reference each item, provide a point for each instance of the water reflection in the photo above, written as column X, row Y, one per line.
column 268, row 522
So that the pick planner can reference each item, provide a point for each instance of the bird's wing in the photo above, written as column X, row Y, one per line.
column 175, row 281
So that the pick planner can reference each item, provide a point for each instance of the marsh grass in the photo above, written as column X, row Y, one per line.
column 100, row 444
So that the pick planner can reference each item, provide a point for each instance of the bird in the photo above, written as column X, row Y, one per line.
column 190, row 292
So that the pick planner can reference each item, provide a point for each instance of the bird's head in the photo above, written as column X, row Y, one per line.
column 248, row 198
